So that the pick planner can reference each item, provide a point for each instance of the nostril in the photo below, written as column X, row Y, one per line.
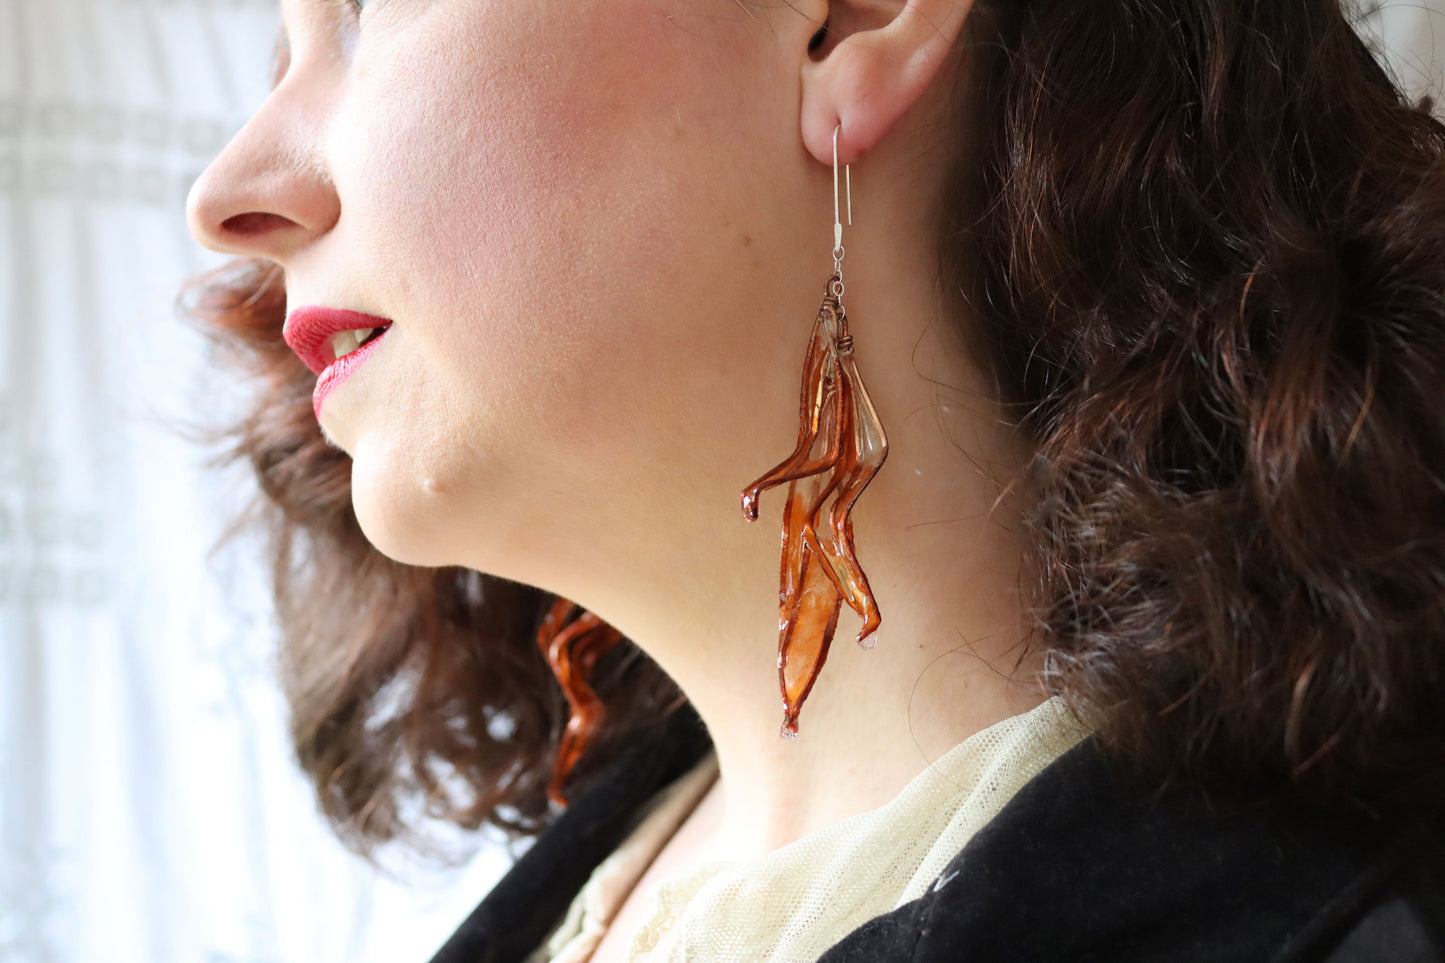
column 252, row 223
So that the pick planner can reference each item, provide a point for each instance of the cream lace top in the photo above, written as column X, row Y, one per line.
column 795, row 902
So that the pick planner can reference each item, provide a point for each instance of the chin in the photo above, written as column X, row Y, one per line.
column 398, row 520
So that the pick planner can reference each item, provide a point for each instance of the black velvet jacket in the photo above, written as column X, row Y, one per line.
column 1080, row 865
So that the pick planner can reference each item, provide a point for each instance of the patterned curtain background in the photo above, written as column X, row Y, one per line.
column 149, row 812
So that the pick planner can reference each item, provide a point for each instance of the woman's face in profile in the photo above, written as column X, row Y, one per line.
column 582, row 219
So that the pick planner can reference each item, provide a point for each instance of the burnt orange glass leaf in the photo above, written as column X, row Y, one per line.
column 865, row 448
column 572, row 650
column 820, row 569
column 818, row 396
column 806, row 630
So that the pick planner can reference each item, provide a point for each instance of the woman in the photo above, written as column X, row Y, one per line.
column 1147, row 299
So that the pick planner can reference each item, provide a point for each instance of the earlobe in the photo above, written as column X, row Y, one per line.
column 878, row 60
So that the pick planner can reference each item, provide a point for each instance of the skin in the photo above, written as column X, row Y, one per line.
column 602, row 230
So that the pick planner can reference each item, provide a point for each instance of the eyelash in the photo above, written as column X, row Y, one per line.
column 353, row 8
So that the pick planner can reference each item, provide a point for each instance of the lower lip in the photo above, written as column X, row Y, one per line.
column 336, row 372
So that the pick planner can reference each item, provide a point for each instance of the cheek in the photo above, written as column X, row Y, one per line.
column 548, row 228
column 533, row 198
column 487, row 165
column 508, row 183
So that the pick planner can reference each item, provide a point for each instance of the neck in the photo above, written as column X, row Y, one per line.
column 941, row 550
column 936, row 532
column 946, row 665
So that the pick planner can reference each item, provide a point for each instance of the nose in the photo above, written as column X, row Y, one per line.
column 269, row 193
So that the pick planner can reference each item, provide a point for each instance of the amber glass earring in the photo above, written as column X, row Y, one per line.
column 572, row 650
column 819, row 566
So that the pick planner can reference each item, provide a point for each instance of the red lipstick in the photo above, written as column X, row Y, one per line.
column 309, row 332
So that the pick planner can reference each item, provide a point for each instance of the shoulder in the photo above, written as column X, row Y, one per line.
column 1085, row 864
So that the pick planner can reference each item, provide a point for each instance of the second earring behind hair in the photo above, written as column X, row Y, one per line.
column 820, row 568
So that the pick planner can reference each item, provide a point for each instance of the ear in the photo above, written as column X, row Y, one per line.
column 876, row 60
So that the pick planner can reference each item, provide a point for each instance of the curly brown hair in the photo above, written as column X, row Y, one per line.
column 1201, row 250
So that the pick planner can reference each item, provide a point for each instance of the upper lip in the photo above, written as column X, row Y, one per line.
column 308, row 332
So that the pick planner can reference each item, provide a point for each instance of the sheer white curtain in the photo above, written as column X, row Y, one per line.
column 1410, row 36
column 149, row 812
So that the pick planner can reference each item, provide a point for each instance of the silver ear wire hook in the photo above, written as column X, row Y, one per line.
column 837, row 223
